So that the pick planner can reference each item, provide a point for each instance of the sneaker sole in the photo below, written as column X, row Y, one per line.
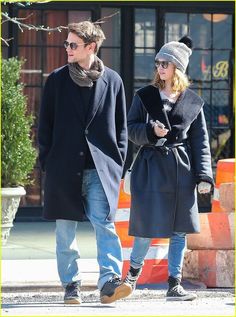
column 72, row 301
column 121, row 291
column 184, row 298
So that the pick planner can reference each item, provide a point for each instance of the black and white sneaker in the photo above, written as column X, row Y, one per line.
column 132, row 277
column 72, row 294
column 176, row 292
column 113, row 290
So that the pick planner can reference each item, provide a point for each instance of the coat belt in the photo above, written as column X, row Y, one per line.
column 164, row 149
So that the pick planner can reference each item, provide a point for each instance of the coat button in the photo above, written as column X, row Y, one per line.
column 86, row 132
column 78, row 174
column 81, row 153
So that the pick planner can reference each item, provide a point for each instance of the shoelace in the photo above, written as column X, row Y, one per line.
column 131, row 279
column 73, row 287
column 115, row 280
column 179, row 289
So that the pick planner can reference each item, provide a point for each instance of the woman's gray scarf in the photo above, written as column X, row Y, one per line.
column 85, row 78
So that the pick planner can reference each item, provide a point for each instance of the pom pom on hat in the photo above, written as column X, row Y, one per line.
column 187, row 41
column 177, row 53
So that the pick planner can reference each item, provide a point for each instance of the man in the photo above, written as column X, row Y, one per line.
column 82, row 149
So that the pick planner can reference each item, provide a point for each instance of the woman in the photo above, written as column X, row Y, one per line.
column 174, row 160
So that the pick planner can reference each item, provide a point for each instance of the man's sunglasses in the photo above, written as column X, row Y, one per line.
column 72, row 45
column 163, row 64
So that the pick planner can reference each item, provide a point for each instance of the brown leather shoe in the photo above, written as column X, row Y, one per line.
column 113, row 290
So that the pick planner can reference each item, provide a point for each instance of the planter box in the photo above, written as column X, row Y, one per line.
column 10, row 203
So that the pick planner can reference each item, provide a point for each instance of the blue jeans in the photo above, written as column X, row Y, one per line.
column 109, row 251
column 177, row 246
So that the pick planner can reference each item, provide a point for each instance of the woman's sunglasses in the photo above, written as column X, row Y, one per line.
column 72, row 45
column 163, row 64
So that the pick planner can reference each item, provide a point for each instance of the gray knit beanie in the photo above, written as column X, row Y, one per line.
column 177, row 52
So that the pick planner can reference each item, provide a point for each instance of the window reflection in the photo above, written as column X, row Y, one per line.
column 216, row 17
column 110, row 50
column 111, row 57
column 200, row 30
column 145, row 25
column 175, row 26
column 78, row 16
column 222, row 34
column 220, row 69
column 144, row 65
column 112, row 26
column 144, row 53
column 199, row 68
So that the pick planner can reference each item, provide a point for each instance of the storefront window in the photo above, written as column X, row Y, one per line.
column 144, row 42
column 111, row 57
column 176, row 24
column 78, row 16
column 200, row 30
column 110, row 50
column 209, row 69
column 222, row 31
column 199, row 69
column 220, row 69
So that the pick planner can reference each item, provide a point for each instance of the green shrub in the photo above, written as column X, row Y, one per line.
column 17, row 153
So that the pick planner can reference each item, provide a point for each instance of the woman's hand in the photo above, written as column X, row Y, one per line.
column 204, row 188
column 159, row 129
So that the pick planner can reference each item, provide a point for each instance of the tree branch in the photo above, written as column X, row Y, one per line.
column 6, row 40
column 22, row 25
column 27, row 26
column 103, row 20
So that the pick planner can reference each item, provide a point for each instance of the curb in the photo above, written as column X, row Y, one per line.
column 42, row 287
column 87, row 286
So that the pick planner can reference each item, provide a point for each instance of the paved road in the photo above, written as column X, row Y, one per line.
column 141, row 303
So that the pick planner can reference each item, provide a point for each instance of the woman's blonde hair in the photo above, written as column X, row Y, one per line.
column 179, row 81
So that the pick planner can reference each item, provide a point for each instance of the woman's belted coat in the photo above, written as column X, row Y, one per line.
column 65, row 135
column 164, row 179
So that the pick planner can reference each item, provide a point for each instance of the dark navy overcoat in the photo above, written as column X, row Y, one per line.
column 163, row 181
column 64, row 135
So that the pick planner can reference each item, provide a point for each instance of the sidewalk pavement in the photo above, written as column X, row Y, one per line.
column 31, row 287
column 41, row 275
column 29, row 260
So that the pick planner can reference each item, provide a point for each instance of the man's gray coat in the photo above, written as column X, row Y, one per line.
column 163, row 181
column 63, row 137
